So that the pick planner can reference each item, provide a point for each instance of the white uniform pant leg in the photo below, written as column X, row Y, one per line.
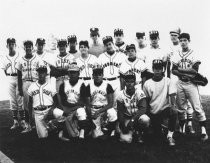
column 26, row 85
column 111, row 115
column 116, row 87
column 81, row 114
column 195, row 99
column 41, row 126
column 12, row 93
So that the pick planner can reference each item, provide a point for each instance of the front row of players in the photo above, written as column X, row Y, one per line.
column 88, row 110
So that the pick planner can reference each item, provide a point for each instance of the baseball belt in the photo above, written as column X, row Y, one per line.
column 15, row 74
column 85, row 78
column 42, row 108
column 110, row 79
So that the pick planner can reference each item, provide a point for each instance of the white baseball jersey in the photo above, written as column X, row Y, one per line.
column 42, row 94
column 131, row 102
column 141, row 53
column 86, row 65
column 72, row 92
column 185, row 60
column 98, row 94
column 137, row 67
column 121, row 48
column 44, row 57
column 28, row 67
column 9, row 63
column 159, row 92
column 111, row 63
column 152, row 54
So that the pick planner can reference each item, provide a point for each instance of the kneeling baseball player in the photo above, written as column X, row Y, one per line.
column 131, row 107
column 160, row 93
column 72, row 93
column 42, row 100
column 100, row 104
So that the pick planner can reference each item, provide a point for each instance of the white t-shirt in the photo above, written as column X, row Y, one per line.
column 159, row 92
column 42, row 94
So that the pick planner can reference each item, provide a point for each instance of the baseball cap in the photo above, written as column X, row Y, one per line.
column 140, row 34
column 40, row 41
column 129, row 75
column 41, row 69
column 107, row 39
column 154, row 34
column 73, row 67
column 28, row 43
column 131, row 46
column 176, row 31
column 85, row 43
column 157, row 64
column 185, row 35
column 94, row 31
column 11, row 40
column 62, row 42
column 97, row 68
column 72, row 39
column 118, row 31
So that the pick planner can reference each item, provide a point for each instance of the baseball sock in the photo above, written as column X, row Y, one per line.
column 170, row 134
column 189, row 123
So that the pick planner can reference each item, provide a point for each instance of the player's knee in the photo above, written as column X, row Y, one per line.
column 111, row 115
column 57, row 113
column 144, row 121
column 81, row 114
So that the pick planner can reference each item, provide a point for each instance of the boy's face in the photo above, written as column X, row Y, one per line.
column 11, row 46
column 94, row 37
column 154, row 41
column 131, row 53
column 118, row 38
column 140, row 40
column 28, row 49
column 83, row 49
column 42, row 75
column 184, row 42
column 73, row 75
column 98, row 77
column 158, row 72
column 174, row 37
column 40, row 47
column 72, row 45
column 129, row 83
column 109, row 46
column 62, row 48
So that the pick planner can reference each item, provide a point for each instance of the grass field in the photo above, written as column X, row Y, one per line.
column 28, row 148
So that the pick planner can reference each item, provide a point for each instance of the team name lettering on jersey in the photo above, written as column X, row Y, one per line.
column 98, row 92
column 111, row 64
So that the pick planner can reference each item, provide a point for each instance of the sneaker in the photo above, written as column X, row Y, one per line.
column 15, row 125
column 61, row 136
column 82, row 134
column 25, row 126
column 171, row 141
column 190, row 130
column 204, row 137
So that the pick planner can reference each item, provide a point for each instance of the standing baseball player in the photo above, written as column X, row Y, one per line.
column 142, row 46
column 72, row 42
column 26, row 71
column 96, row 48
column 100, row 104
column 185, row 66
column 111, row 61
column 160, row 93
column 131, row 107
column 174, row 48
column 42, row 98
column 72, row 93
column 85, row 62
column 9, row 62
column 133, row 64
column 119, row 44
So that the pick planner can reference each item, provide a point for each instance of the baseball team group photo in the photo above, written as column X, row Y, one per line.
column 103, row 98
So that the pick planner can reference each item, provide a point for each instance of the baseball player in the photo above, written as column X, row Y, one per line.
column 133, row 64
column 119, row 44
column 72, row 42
column 42, row 99
column 174, row 48
column 154, row 52
column 131, row 107
column 72, row 94
column 111, row 61
column 142, row 46
column 160, row 93
column 100, row 104
column 26, row 71
column 85, row 62
column 185, row 65
column 96, row 48
column 16, row 101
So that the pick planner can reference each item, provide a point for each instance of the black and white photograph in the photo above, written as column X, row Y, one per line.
column 104, row 81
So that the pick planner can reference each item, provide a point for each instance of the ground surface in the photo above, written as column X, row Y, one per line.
column 27, row 148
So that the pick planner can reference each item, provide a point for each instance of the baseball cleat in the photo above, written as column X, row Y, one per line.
column 204, row 137
column 26, row 127
column 171, row 141
column 82, row 134
column 190, row 130
column 15, row 125
column 60, row 136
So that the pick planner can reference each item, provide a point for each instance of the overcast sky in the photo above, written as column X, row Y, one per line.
column 29, row 19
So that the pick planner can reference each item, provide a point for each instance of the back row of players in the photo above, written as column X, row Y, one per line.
column 131, row 86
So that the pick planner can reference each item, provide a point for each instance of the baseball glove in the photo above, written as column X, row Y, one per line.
column 199, row 79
